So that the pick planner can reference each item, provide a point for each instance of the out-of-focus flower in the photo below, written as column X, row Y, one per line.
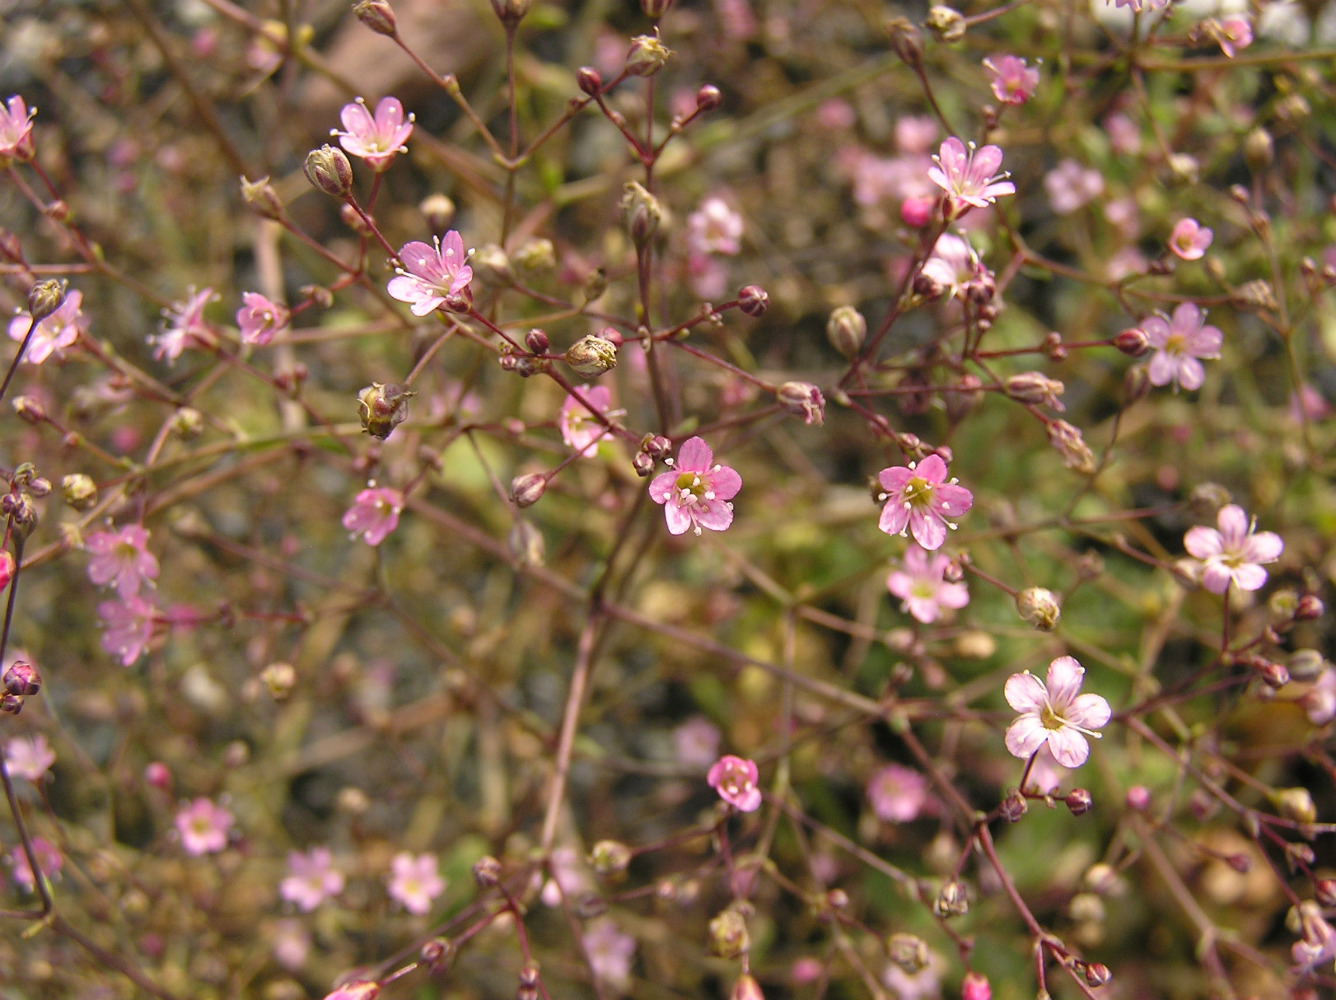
column 1189, row 239
column 969, row 176
column 29, row 757
column 1317, row 946
column 570, row 878
column 375, row 138
column 898, row 794
column 1013, row 81
column 1137, row 6
column 1179, row 343
column 49, row 862
column 922, row 588
column 374, row 514
column 1308, row 404
column 311, row 879
column 127, row 627
column 1234, row 553
column 184, row 326
column 579, row 429
column 952, row 265
column 916, row 133
column 714, row 228
column 431, row 273
column 121, row 559
column 59, row 330
column 924, row 984
column 734, row 778
column 696, row 743
column 16, row 141
column 1124, row 134
column 1319, row 701
column 1234, row 33
column 697, row 493
column 415, row 881
column 1070, row 185
column 610, row 953
column 360, row 989
column 290, row 943
column 919, row 499
column 259, row 319
column 203, row 826
column 1054, row 712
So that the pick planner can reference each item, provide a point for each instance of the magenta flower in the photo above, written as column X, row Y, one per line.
column 922, row 587
column 29, row 757
column 1233, row 554
column 1178, row 344
column 54, row 333
column 374, row 514
column 697, row 493
column 579, row 429
column 311, row 879
column 1013, row 81
column 898, row 794
column 734, row 778
column 49, row 863
column 203, row 827
column 1055, row 713
column 121, row 559
column 1189, row 239
column 431, row 274
column 610, row 953
column 969, row 177
column 919, row 499
column 259, row 319
column 184, row 326
column 376, row 139
column 16, row 131
column 127, row 627
column 415, row 881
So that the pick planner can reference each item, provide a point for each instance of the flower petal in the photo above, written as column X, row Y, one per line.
column 694, row 456
column 677, row 517
column 1263, row 547
column 893, row 518
column 725, row 483
column 932, row 468
column 928, row 528
column 1069, row 747
column 713, row 514
column 1026, row 735
column 1025, row 692
column 1089, row 711
column 1065, row 675
column 1203, row 543
column 1249, row 576
column 663, row 487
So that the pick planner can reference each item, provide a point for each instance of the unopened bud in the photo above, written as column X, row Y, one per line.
column 360, row 989
column 10, row 704
column 908, row 952
column 1258, row 150
column 589, row 80
column 906, row 41
column 1138, row 798
column 728, row 937
column 1098, row 974
column 1255, row 296
column 486, row 871
column 21, row 678
column 437, row 211
column 1274, row 675
column 22, row 514
column 647, row 55
column 329, row 171
column 1296, row 804
column 641, row 214
column 528, row 489
column 591, row 356
column 643, row 464
column 262, row 198
column 526, row 544
column 708, row 97
column 952, row 900
column 187, row 423
column 846, row 329
column 511, row 12
column 8, row 567
column 1306, row 664
column 437, row 954
column 610, row 858
column 746, row 988
column 29, row 409
column 279, row 679
column 1071, row 446
column 1035, row 388
column 377, row 15
column 975, row 986
column 383, row 408
column 1183, row 169
column 1013, row 807
column 1133, row 342
column 753, row 300
column 947, row 23
column 1040, row 607
column 1079, row 801
column 1324, row 891
column 596, row 284
column 45, row 297
column 491, row 267
column 803, row 400
column 1308, row 608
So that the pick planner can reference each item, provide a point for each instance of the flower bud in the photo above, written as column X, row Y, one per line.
column 10, row 704
column 22, row 514
column 460, row 301
column 158, row 775
column 511, row 12
column 803, row 400
column 486, row 871
column 437, row 211
column 8, row 567
column 45, row 297
column 437, row 954
column 591, row 356
column 1325, row 892
column 329, row 171
column 1013, row 807
column 377, row 15
column 952, row 900
column 1079, row 801
column 908, row 952
column 1138, row 798
column 753, row 300
column 595, row 284
column 647, row 55
column 262, row 198
column 906, row 41
column 1296, row 804
column 22, row 679
column 641, row 214
column 589, row 80
column 359, row 989
column 643, row 463
column 79, row 491
column 537, row 341
column 1258, row 150
column 708, row 97
column 29, row 409
column 1133, row 342
column 1098, row 974
column 656, row 446
column 610, row 858
column 526, row 544
column 947, row 23
column 1035, row 388
column 528, row 489
column 728, row 935
column 491, row 267
column 846, row 329
column 1040, row 607
column 1069, row 444
column 1309, row 608
column 746, row 988
column 976, row 987
column 279, row 679
column 383, row 408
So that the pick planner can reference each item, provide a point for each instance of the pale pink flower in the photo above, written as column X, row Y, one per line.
column 1054, row 712
column 1233, row 554
column 1070, row 185
column 922, row 587
column 184, row 326
column 697, row 492
column 969, row 176
column 1234, row 33
column 1189, row 239
column 1308, row 404
column 359, row 989
column 16, row 141
column 737, row 19
column 49, row 862
column 1013, row 81
column 919, row 499
column 952, row 265
column 1046, row 774
column 806, row 970
column 696, row 743
column 1317, row 946
column 29, row 757
column 311, row 879
column 259, row 319
column 203, row 827
column 570, row 879
column 121, row 559
column 1319, row 701
column 431, row 274
column 1179, row 343
column 1124, row 134
column 55, row 333
column 127, row 627
column 290, row 943
column 375, row 138
column 734, row 778
column 898, row 794
column 916, row 133
column 610, row 954
column 714, row 228
column 415, row 881
column 707, row 275
column 374, row 514
column 835, row 114
column 579, row 429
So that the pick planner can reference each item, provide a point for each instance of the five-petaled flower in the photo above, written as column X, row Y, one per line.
column 1233, row 33
column 898, row 794
column 919, row 499
column 15, row 131
column 969, row 176
column 311, row 879
column 121, row 559
column 54, row 333
column 1189, row 239
column 922, row 587
column 375, row 138
column 415, row 881
column 697, row 492
column 49, row 862
column 1179, row 343
column 734, row 778
column 259, row 319
column 1055, row 713
column 579, row 429
column 1233, row 554
column 374, row 514
column 184, row 326
column 1013, row 81
column 127, row 627
column 29, row 757
column 203, row 827
column 431, row 274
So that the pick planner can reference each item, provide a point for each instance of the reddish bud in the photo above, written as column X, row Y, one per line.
column 753, row 300
column 486, row 871
column 437, row 954
column 7, row 568
column 643, row 463
column 1325, row 890
column 377, row 15
column 10, row 704
column 589, row 80
column 22, row 679
column 1308, row 608
column 709, row 97
column 1098, row 974
column 528, row 489
column 1079, row 801
column 976, row 987
column 1138, row 798
column 1133, row 342
column 158, row 775
column 537, row 341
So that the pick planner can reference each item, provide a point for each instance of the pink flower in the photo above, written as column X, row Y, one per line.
column 1233, row 33
column 121, row 559
column 49, row 863
column 697, row 492
column 203, row 827
column 16, row 141
column 734, row 778
column 1070, row 185
column 431, row 274
column 1178, row 344
column 610, row 954
column 714, row 228
column 259, row 319
column 1055, row 713
column 922, row 587
column 1233, row 554
column 29, row 757
column 919, row 499
column 360, row 989
column 415, row 881
column 696, row 743
column 898, row 794
column 916, row 133
column 374, row 514
column 56, row 332
column 375, row 139
column 1319, row 701
column 953, row 265
column 976, row 987
column 311, row 879
column 579, row 429
column 184, row 327
column 1317, row 946
column 127, row 627
column 1013, row 82
column 1189, row 240
column 969, row 177
column 570, row 880
column 290, row 943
